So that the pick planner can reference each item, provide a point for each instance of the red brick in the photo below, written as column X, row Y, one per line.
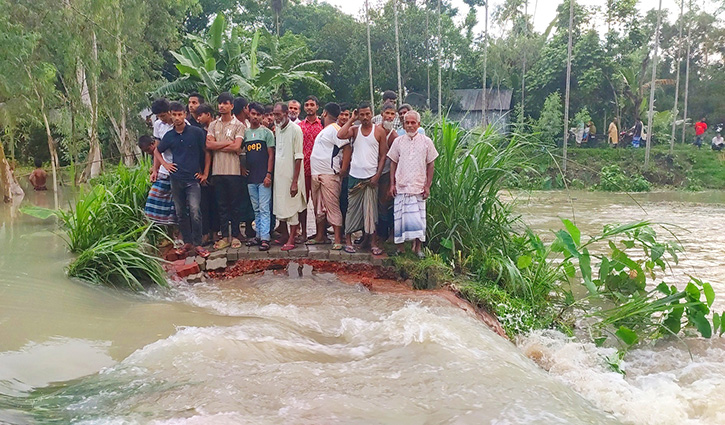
column 184, row 270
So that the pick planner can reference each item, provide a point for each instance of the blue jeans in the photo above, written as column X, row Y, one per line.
column 635, row 141
column 187, row 201
column 261, row 198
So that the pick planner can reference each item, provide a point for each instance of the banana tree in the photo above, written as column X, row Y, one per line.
column 634, row 85
column 217, row 63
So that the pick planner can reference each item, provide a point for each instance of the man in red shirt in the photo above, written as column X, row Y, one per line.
column 700, row 128
column 311, row 127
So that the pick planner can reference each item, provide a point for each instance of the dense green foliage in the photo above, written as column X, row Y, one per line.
column 88, row 68
column 613, row 179
column 687, row 168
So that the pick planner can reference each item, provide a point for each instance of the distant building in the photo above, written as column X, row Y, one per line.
column 469, row 112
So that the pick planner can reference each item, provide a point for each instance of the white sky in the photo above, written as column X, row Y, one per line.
column 545, row 9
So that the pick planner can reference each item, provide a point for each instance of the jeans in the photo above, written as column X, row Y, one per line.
column 698, row 141
column 187, row 201
column 635, row 141
column 228, row 195
column 261, row 198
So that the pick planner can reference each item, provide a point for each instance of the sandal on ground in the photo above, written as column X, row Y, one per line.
column 280, row 241
column 359, row 240
column 201, row 252
column 376, row 251
column 316, row 242
column 221, row 244
column 350, row 249
column 183, row 250
column 236, row 243
column 287, row 247
column 264, row 246
column 254, row 242
column 337, row 247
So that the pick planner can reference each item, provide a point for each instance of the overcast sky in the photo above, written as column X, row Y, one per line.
column 543, row 11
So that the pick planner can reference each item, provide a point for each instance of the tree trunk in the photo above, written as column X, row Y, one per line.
column 440, row 64
column 484, row 95
column 9, row 186
column 427, row 55
column 652, row 87
column 370, row 57
column 93, row 167
column 687, row 75
column 523, row 65
column 675, row 111
column 127, row 148
column 397, row 52
column 568, row 84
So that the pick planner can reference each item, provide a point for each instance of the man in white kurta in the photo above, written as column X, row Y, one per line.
column 289, row 183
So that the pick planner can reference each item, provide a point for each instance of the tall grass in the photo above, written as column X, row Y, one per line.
column 107, row 227
column 470, row 224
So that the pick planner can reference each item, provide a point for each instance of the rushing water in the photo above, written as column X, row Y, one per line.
column 277, row 349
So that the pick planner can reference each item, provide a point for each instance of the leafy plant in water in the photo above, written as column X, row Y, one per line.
column 624, row 305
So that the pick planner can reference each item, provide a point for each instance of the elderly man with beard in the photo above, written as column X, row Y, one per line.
column 411, row 175
column 368, row 159
column 293, row 109
column 289, row 179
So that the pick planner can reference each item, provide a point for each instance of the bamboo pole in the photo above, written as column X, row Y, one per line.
column 675, row 111
column 652, row 87
column 568, row 83
column 523, row 65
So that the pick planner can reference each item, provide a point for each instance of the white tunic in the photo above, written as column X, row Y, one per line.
column 288, row 148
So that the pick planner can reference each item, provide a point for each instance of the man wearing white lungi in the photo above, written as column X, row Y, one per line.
column 411, row 175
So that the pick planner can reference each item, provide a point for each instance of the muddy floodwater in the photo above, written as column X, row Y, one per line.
column 272, row 348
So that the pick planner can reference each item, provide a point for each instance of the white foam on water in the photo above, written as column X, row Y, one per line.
column 662, row 386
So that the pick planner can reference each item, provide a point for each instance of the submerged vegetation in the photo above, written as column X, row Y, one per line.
column 107, row 228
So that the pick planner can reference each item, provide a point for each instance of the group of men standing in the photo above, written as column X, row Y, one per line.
column 257, row 165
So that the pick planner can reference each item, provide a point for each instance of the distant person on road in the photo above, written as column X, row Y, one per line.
column 592, row 139
column 38, row 177
column 636, row 131
column 700, row 129
column 411, row 175
column 717, row 142
column 613, row 133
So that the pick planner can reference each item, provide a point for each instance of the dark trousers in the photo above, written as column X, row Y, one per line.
column 246, row 212
column 343, row 201
column 384, row 227
column 209, row 213
column 228, row 196
column 187, row 201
